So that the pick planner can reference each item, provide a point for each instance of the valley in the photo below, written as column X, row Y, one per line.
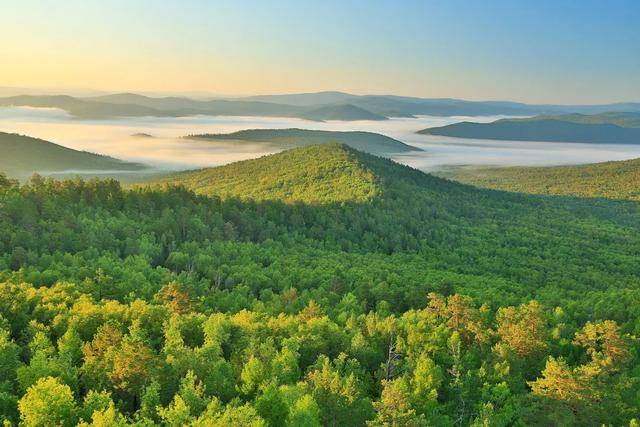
column 169, row 151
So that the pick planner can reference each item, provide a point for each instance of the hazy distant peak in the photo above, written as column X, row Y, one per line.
column 305, row 99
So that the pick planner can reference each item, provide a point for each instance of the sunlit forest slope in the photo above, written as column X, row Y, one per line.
column 320, row 286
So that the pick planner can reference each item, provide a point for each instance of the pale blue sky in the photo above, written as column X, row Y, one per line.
column 533, row 51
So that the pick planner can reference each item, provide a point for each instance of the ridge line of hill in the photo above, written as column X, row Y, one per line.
column 370, row 142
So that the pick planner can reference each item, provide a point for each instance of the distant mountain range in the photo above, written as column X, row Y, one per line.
column 23, row 155
column 345, row 112
column 309, row 106
column 283, row 139
column 402, row 106
column 605, row 128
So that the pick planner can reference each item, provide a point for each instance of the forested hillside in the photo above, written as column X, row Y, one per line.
column 21, row 156
column 314, row 174
column 606, row 128
column 319, row 286
column 611, row 180
column 283, row 139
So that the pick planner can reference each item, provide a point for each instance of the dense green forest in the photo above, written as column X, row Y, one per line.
column 612, row 180
column 283, row 139
column 606, row 128
column 319, row 286
column 21, row 156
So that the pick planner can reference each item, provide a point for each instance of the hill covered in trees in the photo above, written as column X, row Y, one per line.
column 22, row 155
column 314, row 174
column 290, row 138
column 607, row 128
column 377, row 295
column 612, row 180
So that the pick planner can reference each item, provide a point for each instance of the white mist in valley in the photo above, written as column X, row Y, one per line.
column 167, row 149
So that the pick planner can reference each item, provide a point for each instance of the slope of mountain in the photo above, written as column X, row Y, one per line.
column 187, row 106
column 257, row 106
column 284, row 287
column 161, row 103
column 609, row 128
column 289, row 138
column 80, row 108
column 622, row 119
column 613, row 180
column 469, row 230
column 346, row 112
column 458, row 107
column 314, row 174
column 406, row 106
column 305, row 99
column 377, row 204
column 398, row 106
column 130, row 105
column 20, row 156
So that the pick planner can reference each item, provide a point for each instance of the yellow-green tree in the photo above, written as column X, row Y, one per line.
column 48, row 403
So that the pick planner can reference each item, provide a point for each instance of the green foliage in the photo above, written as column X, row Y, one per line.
column 315, row 174
column 611, row 180
column 95, row 402
column 305, row 413
column 9, row 356
column 149, row 402
column 338, row 392
column 272, row 407
column 48, row 403
column 417, row 302
column 177, row 413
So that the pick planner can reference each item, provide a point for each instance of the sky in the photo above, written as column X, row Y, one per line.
column 543, row 51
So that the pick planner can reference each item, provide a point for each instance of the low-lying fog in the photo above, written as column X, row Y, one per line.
column 166, row 150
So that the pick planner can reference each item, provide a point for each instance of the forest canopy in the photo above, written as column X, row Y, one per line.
column 319, row 286
column 611, row 180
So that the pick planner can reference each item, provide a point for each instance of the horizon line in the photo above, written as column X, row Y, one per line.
column 84, row 92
